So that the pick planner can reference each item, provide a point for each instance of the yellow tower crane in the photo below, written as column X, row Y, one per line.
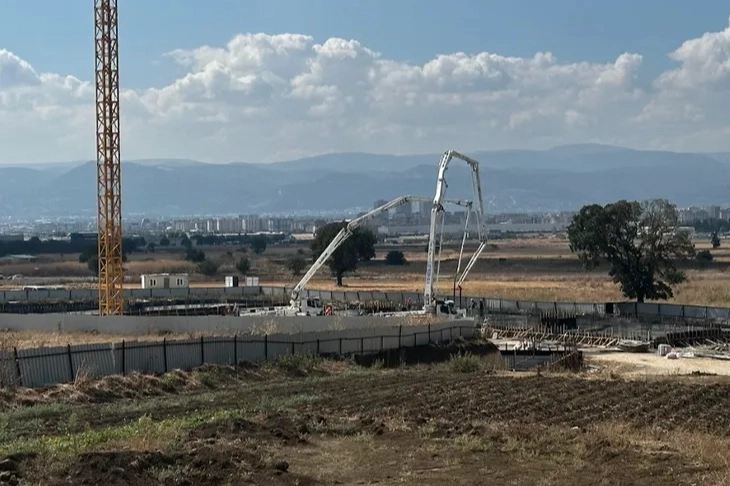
column 108, row 164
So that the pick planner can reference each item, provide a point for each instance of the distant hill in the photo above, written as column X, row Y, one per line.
column 514, row 180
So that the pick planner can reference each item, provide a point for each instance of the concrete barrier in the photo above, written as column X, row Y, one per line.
column 142, row 325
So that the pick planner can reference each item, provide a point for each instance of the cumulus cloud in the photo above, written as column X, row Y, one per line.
column 264, row 97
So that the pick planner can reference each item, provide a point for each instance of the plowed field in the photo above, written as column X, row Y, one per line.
column 425, row 426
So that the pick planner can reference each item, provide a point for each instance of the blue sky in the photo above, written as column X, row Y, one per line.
column 56, row 35
column 311, row 84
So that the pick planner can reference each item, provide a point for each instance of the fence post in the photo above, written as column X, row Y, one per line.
column 400, row 334
column 235, row 350
column 266, row 346
column 202, row 350
column 381, row 342
column 340, row 351
column 362, row 345
column 124, row 359
column 318, row 352
column 17, row 366
column 429, row 333
column 70, row 363
column 292, row 348
column 164, row 352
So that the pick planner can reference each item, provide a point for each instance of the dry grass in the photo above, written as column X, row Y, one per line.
column 521, row 269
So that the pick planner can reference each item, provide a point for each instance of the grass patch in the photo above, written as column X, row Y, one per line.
column 143, row 434
column 465, row 363
column 297, row 364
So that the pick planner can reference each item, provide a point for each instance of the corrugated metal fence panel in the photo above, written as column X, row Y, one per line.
column 44, row 366
column 278, row 345
column 251, row 349
column 717, row 313
column 183, row 354
column 644, row 308
column 667, row 310
column 47, row 366
column 144, row 357
column 94, row 360
column 219, row 351
column 588, row 308
column 693, row 312
column 492, row 304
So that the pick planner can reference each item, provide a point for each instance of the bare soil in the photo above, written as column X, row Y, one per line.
column 336, row 423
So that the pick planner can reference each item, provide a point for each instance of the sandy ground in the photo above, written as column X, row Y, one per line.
column 643, row 364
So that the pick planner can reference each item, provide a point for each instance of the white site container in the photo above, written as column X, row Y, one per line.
column 664, row 349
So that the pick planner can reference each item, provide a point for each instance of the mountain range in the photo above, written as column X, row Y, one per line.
column 562, row 178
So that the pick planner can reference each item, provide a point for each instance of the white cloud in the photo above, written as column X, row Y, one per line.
column 264, row 97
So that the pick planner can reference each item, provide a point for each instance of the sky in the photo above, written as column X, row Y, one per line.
column 266, row 80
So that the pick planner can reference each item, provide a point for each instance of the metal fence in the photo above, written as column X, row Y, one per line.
column 491, row 305
column 48, row 366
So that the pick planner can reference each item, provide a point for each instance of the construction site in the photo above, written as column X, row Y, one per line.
column 170, row 383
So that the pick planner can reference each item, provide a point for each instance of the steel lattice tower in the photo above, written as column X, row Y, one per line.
column 109, row 220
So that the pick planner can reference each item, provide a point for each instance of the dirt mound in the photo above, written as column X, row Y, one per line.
column 274, row 429
column 204, row 466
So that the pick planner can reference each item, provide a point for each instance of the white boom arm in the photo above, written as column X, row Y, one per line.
column 348, row 230
column 428, row 297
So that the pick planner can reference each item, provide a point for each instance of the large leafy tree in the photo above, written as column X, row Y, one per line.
column 360, row 246
column 638, row 241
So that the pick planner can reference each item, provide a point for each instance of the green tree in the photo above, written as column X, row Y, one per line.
column 208, row 268
column 151, row 247
column 395, row 258
column 715, row 240
column 196, row 256
column 296, row 264
column 358, row 247
column 89, row 251
column 258, row 244
column 164, row 241
column 186, row 243
column 93, row 263
column 243, row 265
column 638, row 241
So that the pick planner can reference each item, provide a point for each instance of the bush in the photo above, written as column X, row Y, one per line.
column 243, row 265
column 196, row 256
column 395, row 257
column 465, row 363
column 208, row 268
column 258, row 244
column 704, row 256
column 296, row 264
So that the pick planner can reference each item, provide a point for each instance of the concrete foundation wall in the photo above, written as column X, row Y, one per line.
column 141, row 325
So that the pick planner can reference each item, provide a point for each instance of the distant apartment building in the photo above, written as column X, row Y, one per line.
column 228, row 225
column 250, row 223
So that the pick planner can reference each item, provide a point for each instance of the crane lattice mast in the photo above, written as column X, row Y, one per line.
column 109, row 195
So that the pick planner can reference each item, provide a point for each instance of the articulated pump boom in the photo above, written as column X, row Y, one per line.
column 347, row 231
column 436, row 216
